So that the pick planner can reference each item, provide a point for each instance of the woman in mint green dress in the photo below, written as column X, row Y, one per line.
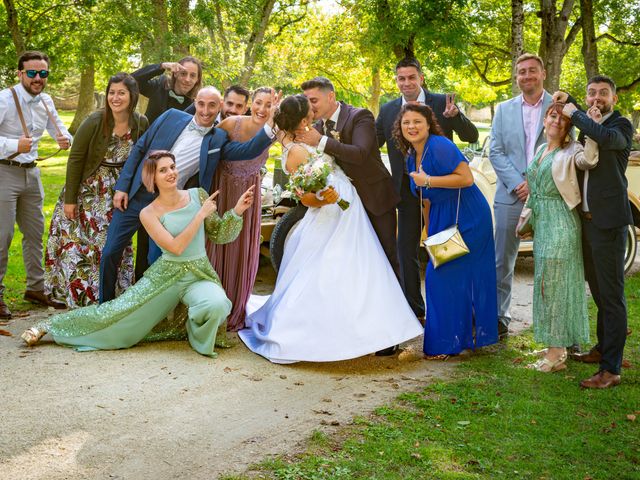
column 560, row 316
column 177, row 221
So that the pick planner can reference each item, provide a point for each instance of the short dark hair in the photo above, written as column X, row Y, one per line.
column 291, row 112
column 409, row 62
column 149, row 168
column 240, row 90
column 323, row 83
column 32, row 55
column 603, row 79
column 134, row 95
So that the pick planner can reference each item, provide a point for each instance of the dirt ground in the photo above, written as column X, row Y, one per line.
column 161, row 411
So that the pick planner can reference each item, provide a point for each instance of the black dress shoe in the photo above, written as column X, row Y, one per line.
column 503, row 331
column 4, row 310
column 387, row 352
column 38, row 296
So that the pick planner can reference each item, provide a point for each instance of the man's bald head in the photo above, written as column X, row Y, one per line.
column 207, row 103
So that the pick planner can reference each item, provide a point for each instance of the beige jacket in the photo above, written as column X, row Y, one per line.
column 563, row 170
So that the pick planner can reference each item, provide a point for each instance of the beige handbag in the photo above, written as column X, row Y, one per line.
column 447, row 244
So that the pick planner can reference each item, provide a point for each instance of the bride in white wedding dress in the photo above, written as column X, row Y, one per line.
column 336, row 296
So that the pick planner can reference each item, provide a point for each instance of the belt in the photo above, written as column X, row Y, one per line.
column 586, row 215
column 13, row 163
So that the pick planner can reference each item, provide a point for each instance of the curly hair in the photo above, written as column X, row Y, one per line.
column 396, row 132
column 291, row 112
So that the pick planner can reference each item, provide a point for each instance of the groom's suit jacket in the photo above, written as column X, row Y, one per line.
column 164, row 132
column 357, row 153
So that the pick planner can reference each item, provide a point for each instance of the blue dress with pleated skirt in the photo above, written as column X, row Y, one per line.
column 462, row 310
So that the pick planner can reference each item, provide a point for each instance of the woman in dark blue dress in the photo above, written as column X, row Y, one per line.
column 461, row 295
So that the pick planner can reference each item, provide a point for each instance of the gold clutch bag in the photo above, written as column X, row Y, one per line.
column 445, row 246
column 526, row 228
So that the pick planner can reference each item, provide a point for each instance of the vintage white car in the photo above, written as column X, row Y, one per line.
column 280, row 216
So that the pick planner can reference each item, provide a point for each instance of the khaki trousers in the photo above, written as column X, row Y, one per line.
column 21, row 201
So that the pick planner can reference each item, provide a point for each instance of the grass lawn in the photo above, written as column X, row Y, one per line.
column 494, row 420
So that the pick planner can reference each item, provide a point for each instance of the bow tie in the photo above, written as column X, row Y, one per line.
column 193, row 126
column 178, row 98
column 34, row 100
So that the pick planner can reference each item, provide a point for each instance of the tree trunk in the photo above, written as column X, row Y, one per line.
column 86, row 97
column 255, row 41
column 156, row 48
column 180, row 21
column 635, row 119
column 589, row 45
column 374, row 92
column 517, row 40
column 14, row 27
column 553, row 44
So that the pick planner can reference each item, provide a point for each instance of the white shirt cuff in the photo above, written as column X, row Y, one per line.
column 323, row 143
column 269, row 131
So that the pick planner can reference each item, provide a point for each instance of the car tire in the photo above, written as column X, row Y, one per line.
column 281, row 233
column 631, row 248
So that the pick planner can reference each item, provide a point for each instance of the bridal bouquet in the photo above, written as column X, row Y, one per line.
column 312, row 177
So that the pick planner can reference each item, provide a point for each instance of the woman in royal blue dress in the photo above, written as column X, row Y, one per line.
column 461, row 295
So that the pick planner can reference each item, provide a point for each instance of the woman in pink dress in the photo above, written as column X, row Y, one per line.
column 237, row 262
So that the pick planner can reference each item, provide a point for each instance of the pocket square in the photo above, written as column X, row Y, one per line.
column 214, row 150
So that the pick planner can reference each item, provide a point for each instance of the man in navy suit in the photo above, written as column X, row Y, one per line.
column 198, row 148
column 606, row 214
column 410, row 81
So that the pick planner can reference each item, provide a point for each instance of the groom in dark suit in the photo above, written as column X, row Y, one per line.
column 410, row 82
column 348, row 134
column 198, row 147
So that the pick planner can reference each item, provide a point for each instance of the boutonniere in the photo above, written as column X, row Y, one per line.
column 334, row 134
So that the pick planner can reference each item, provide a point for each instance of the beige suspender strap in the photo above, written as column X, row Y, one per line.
column 24, row 125
column 53, row 120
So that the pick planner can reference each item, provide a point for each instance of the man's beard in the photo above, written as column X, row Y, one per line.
column 605, row 109
column 29, row 88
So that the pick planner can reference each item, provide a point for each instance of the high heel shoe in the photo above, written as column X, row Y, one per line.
column 549, row 366
column 32, row 335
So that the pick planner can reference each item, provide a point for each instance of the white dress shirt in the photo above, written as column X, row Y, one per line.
column 421, row 98
column 334, row 119
column 36, row 118
column 187, row 151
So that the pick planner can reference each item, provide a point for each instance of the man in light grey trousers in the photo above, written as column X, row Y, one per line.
column 21, row 192
column 516, row 132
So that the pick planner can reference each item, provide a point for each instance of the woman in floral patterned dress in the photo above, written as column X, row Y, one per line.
column 80, row 219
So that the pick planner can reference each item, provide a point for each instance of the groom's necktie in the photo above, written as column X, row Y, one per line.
column 328, row 126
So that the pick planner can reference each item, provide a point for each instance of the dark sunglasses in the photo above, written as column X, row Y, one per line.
column 33, row 73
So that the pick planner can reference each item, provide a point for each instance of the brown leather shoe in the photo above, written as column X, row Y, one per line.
column 602, row 379
column 39, row 297
column 4, row 310
column 592, row 356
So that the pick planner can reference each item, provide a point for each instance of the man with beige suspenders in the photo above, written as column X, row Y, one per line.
column 25, row 112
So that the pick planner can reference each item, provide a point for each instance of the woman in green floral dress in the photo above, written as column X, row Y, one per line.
column 560, row 316
column 80, row 219
column 177, row 220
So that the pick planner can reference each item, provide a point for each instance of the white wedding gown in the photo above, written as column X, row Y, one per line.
column 336, row 296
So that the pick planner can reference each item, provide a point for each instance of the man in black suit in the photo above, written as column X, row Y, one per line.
column 606, row 213
column 410, row 81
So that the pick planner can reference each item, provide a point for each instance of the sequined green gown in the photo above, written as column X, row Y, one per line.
column 560, row 317
column 188, row 278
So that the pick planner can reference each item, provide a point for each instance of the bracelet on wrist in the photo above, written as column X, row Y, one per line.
column 427, row 182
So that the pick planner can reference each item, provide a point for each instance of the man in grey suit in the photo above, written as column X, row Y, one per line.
column 516, row 133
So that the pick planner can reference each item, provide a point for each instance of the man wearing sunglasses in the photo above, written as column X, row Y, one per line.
column 21, row 192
